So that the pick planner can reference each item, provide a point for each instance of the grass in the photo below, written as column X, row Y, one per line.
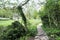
column 8, row 22
column 5, row 22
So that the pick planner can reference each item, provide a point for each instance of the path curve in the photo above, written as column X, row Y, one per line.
column 41, row 35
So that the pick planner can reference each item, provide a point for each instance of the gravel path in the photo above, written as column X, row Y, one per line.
column 41, row 35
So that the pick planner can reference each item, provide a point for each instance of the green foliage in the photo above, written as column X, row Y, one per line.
column 51, row 14
column 52, row 32
column 14, row 31
column 8, row 12
column 5, row 13
column 16, row 28
column 32, row 26
column 50, row 17
column 32, row 31
column 35, row 14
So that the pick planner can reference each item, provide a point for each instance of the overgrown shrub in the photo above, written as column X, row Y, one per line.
column 13, row 31
column 32, row 30
column 50, row 15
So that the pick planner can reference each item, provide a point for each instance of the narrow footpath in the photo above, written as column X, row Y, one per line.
column 41, row 35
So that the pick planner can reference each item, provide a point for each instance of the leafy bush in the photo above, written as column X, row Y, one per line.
column 32, row 30
column 17, row 30
column 13, row 31
column 50, row 17
column 52, row 32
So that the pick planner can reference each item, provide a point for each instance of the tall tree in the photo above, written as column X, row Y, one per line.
column 22, row 14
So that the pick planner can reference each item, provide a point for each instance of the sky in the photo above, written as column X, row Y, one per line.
column 36, row 3
column 38, row 7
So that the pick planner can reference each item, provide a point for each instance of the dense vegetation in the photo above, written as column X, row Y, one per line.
column 11, row 31
column 23, row 29
column 50, row 17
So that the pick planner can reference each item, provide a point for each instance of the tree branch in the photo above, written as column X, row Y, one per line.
column 24, row 3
